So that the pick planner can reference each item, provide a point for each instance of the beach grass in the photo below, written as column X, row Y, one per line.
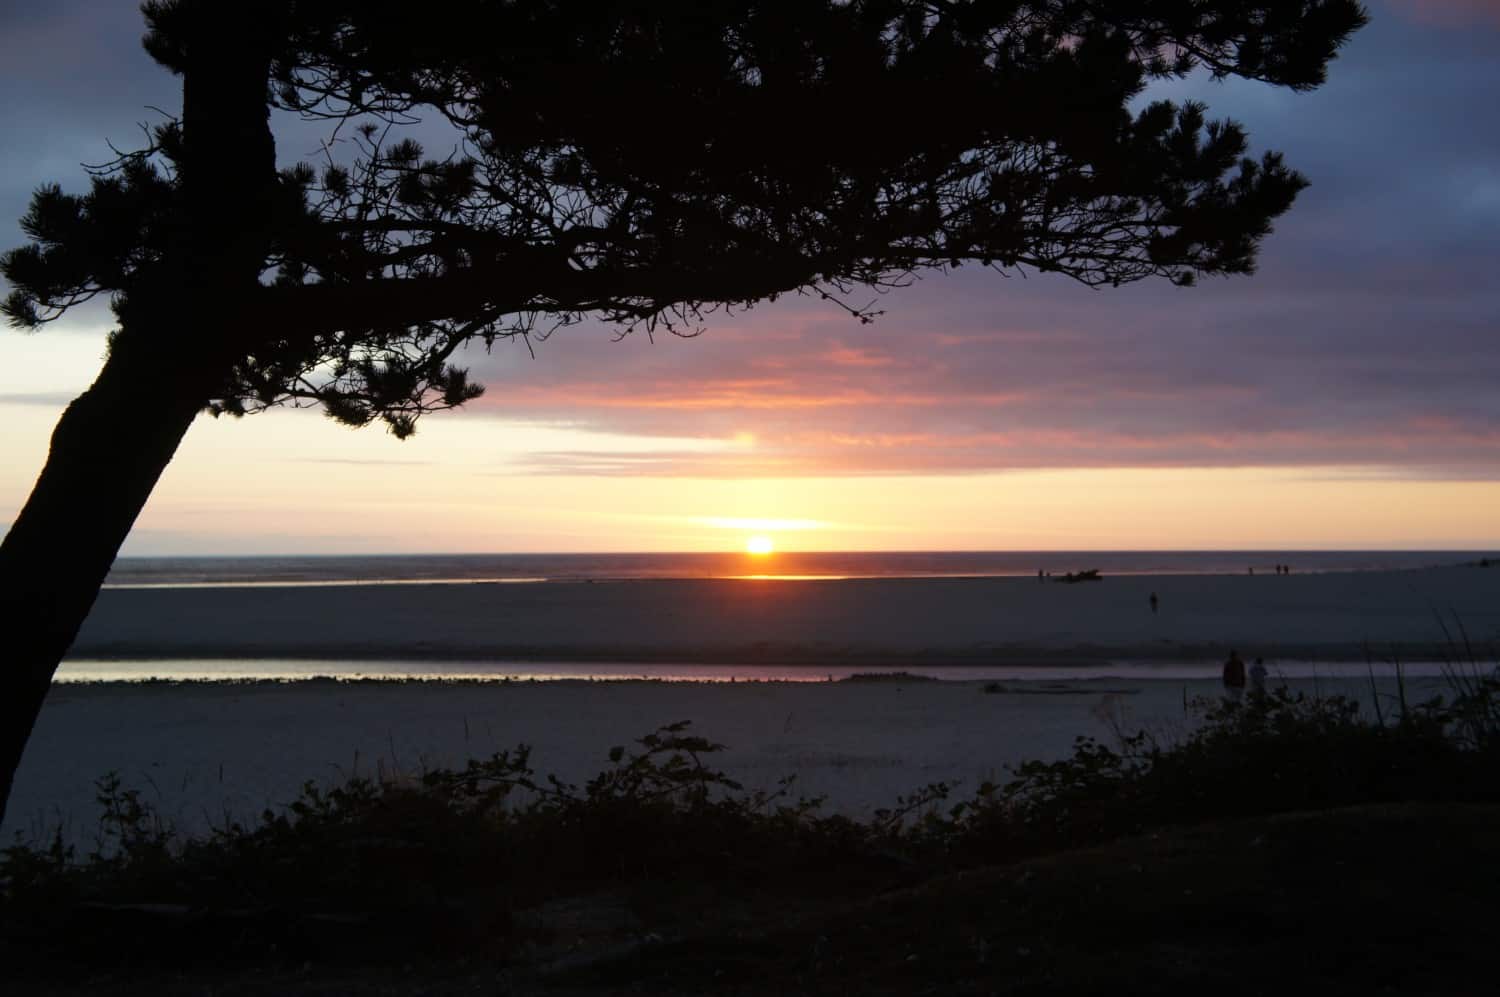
column 1358, row 900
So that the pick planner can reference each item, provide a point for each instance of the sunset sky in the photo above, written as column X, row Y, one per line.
column 1348, row 395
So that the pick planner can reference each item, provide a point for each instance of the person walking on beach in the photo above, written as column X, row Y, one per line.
column 1234, row 675
column 1258, row 678
column 1153, row 603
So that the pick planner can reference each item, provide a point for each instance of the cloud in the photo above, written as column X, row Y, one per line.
column 1370, row 336
column 848, row 356
column 1414, row 450
column 1357, row 368
column 49, row 399
column 1448, row 12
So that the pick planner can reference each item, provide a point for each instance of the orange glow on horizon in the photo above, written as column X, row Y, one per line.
column 759, row 546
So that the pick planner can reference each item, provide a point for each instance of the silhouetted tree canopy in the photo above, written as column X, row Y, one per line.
column 644, row 163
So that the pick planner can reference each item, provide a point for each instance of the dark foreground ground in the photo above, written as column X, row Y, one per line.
column 1392, row 899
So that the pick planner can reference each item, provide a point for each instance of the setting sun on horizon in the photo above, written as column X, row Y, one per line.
column 973, row 414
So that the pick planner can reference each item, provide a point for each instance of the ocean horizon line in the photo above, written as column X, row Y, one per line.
column 740, row 552
column 325, row 570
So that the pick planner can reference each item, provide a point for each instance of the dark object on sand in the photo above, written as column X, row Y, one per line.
column 889, row 677
column 1026, row 688
column 1073, row 577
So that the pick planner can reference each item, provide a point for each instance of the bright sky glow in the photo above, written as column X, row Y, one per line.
column 288, row 481
column 750, row 523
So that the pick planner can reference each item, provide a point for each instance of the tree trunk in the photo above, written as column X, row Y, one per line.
column 176, row 346
column 108, row 450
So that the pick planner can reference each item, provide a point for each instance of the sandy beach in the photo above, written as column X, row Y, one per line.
column 1332, row 616
column 204, row 750
column 201, row 751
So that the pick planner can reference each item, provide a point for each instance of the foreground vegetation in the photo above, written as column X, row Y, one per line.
column 1289, row 830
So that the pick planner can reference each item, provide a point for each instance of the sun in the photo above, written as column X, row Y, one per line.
column 759, row 545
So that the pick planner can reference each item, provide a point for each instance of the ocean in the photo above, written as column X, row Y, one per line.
column 1129, row 654
column 376, row 569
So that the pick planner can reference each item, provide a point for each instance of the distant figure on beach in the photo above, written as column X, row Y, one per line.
column 1234, row 675
column 1258, row 678
column 1153, row 603
column 1252, row 569
column 1039, row 576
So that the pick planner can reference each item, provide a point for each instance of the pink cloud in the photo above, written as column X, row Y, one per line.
column 1224, row 375
column 1475, row 452
column 845, row 356
column 746, row 395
